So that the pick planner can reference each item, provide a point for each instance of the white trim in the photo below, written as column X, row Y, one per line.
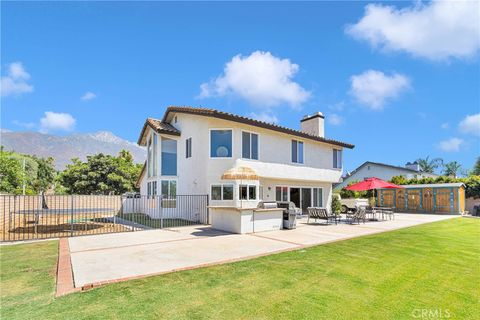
column 334, row 165
column 221, row 184
column 186, row 148
column 167, row 179
column 210, row 142
column 303, row 152
column 300, row 187
column 248, row 193
column 258, row 145
column 160, row 157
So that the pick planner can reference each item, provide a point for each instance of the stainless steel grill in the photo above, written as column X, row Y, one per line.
column 290, row 213
column 267, row 205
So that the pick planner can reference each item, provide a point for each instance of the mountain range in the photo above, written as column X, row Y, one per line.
column 64, row 148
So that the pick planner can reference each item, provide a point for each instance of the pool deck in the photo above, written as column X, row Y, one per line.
column 101, row 259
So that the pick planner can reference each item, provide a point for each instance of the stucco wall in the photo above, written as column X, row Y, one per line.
column 195, row 175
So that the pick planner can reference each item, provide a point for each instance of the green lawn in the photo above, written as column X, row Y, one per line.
column 392, row 275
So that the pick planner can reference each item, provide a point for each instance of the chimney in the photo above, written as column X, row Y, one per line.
column 413, row 166
column 313, row 124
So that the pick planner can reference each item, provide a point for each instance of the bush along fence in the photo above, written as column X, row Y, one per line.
column 53, row 216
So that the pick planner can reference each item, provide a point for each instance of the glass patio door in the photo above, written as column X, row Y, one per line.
column 306, row 199
column 295, row 196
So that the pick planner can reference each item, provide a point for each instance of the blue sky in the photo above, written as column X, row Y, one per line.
column 90, row 66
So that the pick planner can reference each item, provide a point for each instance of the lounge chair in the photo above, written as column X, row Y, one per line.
column 358, row 215
column 320, row 213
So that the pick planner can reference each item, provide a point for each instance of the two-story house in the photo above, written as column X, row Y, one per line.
column 191, row 149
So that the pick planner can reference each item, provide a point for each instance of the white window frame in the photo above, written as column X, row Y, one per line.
column 210, row 142
column 281, row 193
column 162, row 176
column 303, row 151
column 149, row 156
column 248, row 193
column 336, row 165
column 321, row 198
column 299, row 187
column 187, row 155
column 152, row 192
column 221, row 185
column 258, row 145
column 169, row 180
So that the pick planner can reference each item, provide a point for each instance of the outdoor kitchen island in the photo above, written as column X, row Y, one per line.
column 246, row 220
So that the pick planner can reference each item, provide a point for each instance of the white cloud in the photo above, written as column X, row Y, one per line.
column 451, row 145
column 88, row 96
column 445, row 126
column 438, row 30
column 265, row 117
column 470, row 124
column 56, row 121
column 16, row 81
column 373, row 88
column 260, row 78
column 335, row 119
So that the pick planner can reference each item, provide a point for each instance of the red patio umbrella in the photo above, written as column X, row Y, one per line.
column 372, row 183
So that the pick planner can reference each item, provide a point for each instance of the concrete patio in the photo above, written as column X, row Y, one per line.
column 107, row 258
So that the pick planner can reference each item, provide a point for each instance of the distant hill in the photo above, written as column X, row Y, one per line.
column 64, row 148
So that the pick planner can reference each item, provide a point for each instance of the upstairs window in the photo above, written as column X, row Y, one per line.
column 297, row 151
column 249, row 145
column 169, row 157
column 337, row 159
column 152, row 155
column 149, row 157
column 221, row 143
column 188, row 148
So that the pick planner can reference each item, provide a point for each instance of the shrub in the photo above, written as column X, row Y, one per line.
column 472, row 183
column 336, row 205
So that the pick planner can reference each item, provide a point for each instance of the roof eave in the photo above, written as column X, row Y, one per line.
column 149, row 124
column 230, row 117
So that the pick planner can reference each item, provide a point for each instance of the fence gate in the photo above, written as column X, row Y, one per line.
column 52, row 216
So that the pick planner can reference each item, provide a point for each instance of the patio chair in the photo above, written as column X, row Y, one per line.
column 389, row 213
column 320, row 213
column 358, row 215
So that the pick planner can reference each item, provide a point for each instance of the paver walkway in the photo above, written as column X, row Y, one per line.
column 108, row 258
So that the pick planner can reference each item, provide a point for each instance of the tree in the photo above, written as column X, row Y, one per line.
column 476, row 168
column 346, row 194
column 429, row 166
column 10, row 174
column 101, row 174
column 38, row 174
column 451, row 169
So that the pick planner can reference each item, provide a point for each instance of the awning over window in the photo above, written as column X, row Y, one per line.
column 240, row 173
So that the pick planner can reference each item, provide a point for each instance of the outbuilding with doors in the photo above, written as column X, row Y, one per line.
column 435, row 198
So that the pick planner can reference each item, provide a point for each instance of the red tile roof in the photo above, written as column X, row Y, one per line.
column 257, row 123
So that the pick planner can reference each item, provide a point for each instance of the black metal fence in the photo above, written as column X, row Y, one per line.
column 52, row 216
